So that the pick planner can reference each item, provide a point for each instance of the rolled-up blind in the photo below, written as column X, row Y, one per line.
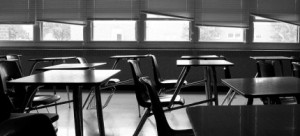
column 229, row 13
column 61, row 10
column 17, row 11
column 113, row 9
column 180, row 8
column 284, row 10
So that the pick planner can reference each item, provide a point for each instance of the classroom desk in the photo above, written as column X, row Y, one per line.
column 210, row 77
column 75, row 79
column 263, row 87
column 49, row 59
column 259, row 120
column 209, row 57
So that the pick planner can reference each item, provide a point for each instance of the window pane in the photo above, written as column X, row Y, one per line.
column 16, row 32
column 167, row 30
column 62, row 32
column 275, row 32
column 114, row 30
column 221, row 34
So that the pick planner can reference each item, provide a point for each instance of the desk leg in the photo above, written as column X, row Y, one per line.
column 99, row 111
column 207, row 84
column 33, row 67
column 77, row 104
column 115, row 64
column 179, row 83
column 214, row 85
column 250, row 101
column 281, row 67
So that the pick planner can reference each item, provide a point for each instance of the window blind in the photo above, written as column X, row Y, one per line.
column 227, row 13
column 17, row 11
column 180, row 8
column 113, row 9
column 283, row 10
column 69, row 11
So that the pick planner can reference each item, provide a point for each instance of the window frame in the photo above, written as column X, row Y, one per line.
column 33, row 33
column 91, row 30
column 41, row 38
column 245, row 33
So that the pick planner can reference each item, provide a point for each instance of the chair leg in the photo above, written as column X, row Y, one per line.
column 88, row 97
column 109, row 98
column 139, row 110
column 87, row 107
column 142, row 122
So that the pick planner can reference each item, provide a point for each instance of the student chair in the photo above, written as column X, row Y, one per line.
column 10, row 70
column 162, row 125
column 161, row 84
column 142, row 95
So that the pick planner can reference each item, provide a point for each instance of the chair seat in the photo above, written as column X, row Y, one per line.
column 113, row 80
column 170, row 83
column 165, row 100
column 44, row 99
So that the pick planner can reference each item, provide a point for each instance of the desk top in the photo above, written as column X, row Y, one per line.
column 264, row 86
column 128, row 56
column 66, row 77
column 194, row 62
column 271, row 58
column 202, row 57
column 263, row 120
column 52, row 58
column 72, row 66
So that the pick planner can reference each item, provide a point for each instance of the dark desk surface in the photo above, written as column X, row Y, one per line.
column 127, row 56
column 194, row 62
column 264, row 86
column 263, row 120
column 52, row 58
column 202, row 57
column 271, row 58
column 72, row 66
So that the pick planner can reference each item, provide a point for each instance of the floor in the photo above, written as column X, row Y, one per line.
column 121, row 115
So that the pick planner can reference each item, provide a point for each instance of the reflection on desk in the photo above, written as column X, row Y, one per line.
column 271, row 120
column 72, row 66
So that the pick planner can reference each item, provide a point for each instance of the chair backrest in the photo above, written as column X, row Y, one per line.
column 162, row 126
column 17, row 58
column 6, row 107
column 142, row 95
column 81, row 60
column 296, row 69
column 10, row 70
column 155, row 67
column 266, row 68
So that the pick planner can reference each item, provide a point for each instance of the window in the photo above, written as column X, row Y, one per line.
column 61, row 32
column 221, row 34
column 22, row 32
column 120, row 30
column 275, row 32
column 167, row 30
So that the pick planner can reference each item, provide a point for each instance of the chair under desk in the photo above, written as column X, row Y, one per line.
column 75, row 79
column 210, row 77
